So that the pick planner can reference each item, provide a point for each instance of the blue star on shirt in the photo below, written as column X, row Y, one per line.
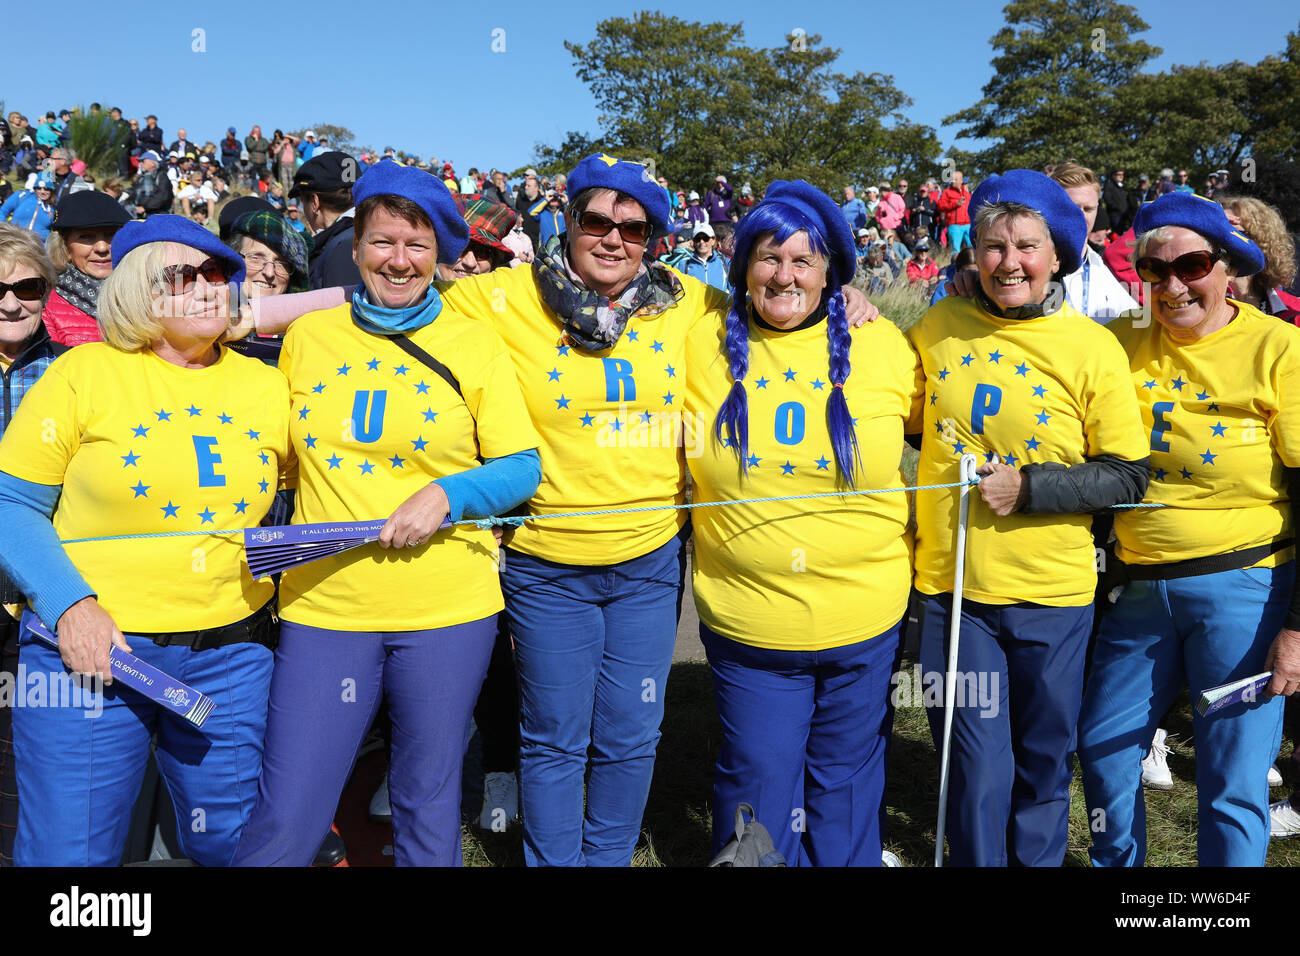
column 616, row 425
column 241, row 506
column 943, row 373
column 761, row 383
column 1202, row 396
column 586, row 420
column 310, row 441
column 672, row 372
column 318, row 387
column 373, row 364
column 967, row 359
column 995, row 356
column 554, row 375
column 344, row 369
column 1208, row 457
column 265, row 460
column 140, row 431
column 561, row 402
column 1159, row 474
column 1043, row 417
column 262, row 486
column 169, row 510
column 400, row 370
column 988, row 455
column 366, row 467
column 1219, row 429
column 787, row 469
column 823, row 463
column 141, row 490
column 646, row 417
column 658, row 346
column 1213, row 407
column 302, row 412
column 1010, row 460
column 789, row 374
column 1040, row 391
column 397, row 462
column 562, row 349
column 163, row 416
column 224, row 419
column 1022, row 369
column 1178, row 384
column 419, row 443
column 1033, row 443
column 422, row 388
column 1185, row 473
column 958, row 448
column 206, row 516
column 1149, row 383
column 430, row 415
column 818, row 384
column 130, row 458
column 938, row 426
column 253, row 435
column 753, row 461
column 193, row 411
column 334, row 461
column 668, row 399
column 632, row 336
column 934, row 398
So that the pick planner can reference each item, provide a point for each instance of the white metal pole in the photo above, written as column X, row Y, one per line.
column 968, row 465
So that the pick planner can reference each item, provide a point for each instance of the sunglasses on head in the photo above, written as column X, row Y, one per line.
column 180, row 279
column 1189, row 267
column 632, row 230
column 28, row 290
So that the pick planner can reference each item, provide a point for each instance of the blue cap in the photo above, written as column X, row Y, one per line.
column 822, row 211
column 1065, row 221
column 150, row 154
column 431, row 194
column 44, row 181
column 603, row 171
column 187, row 232
column 1205, row 217
column 230, row 129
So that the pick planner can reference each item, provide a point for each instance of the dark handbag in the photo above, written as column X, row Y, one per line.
column 751, row 845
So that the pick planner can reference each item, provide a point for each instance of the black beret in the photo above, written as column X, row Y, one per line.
column 88, row 209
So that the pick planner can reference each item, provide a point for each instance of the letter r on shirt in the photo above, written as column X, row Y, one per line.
column 619, row 385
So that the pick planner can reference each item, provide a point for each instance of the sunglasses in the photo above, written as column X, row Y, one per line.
column 28, row 290
column 180, row 279
column 632, row 230
column 1188, row 267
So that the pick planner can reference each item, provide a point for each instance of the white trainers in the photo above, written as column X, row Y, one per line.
column 1155, row 765
column 889, row 859
column 1284, row 821
column 380, row 810
column 500, row 802
column 1274, row 776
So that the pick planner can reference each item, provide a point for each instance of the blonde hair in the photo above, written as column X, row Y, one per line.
column 127, row 315
column 20, row 247
column 58, row 250
column 1263, row 223
column 1069, row 175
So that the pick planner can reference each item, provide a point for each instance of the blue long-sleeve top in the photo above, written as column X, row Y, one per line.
column 33, row 557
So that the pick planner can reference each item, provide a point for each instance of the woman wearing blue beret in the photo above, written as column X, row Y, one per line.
column 130, row 450
column 1040, row 393
column 1210, row 594
column 400, row 406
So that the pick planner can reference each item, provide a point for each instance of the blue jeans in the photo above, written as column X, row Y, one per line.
column 1020, row 672
column 593, row 646
column 1200, row 631
column 805, row 742
column 324, row 696
column 78, row 776
column 958, row 236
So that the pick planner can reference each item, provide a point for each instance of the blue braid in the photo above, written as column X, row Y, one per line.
column 734, row 413
column 839, row 422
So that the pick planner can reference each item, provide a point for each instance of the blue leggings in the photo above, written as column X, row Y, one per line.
column 324, row 696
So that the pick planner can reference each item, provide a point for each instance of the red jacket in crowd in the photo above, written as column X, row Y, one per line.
column 953, row 205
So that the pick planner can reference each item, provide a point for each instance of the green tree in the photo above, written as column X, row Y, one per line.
column 562, row 158
column 1058, row 67
column 97, row 142
column 340, row 137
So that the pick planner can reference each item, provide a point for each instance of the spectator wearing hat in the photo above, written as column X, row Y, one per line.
column 230, row 149
column 891, row 210
column 116, row 407
column 151, row 137
column 410, row 452
column 854, row 209
column 527, row 199
column 307, row 147
column 745, row 201
column 274, row 255
column 720, row 205
column 292, row 217
column 695, row 213
column 152, row 190
column 922, row 271
column 1043, row 396
column 32, row 208
column 47, row 134
column 489, row 223
column 323, row 187
column 80, row 247
column 550, row 218
column 449, row 177
column 702, row 260
column 259, row 149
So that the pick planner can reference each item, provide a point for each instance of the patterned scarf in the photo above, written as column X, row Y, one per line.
column 80, row 290
column 592, row 321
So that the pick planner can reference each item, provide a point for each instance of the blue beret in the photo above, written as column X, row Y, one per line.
column 1205, row 217
column 822, row 211
column 1065, row 221
column 603, row 171
column 389, row 178
column 187, row 232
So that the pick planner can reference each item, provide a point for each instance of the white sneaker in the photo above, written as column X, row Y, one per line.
column 500, row 802
column 889, row 859
column 1284, row 821
column 380, row 810
column 1274, row 776
column 1155, row 766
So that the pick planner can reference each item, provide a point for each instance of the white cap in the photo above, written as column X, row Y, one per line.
column 310, row 132
column 863, row 232
column 703, row 229
column 530, row 172
column 693, row 195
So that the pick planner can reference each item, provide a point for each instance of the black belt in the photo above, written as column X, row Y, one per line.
column 260, row 628
column 1212, row 564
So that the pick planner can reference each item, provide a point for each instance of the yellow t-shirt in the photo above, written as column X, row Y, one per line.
column 802, row 575
column 371, row 426
column 1222, row 423
column 1050, row 389
column 142, row 446
column 610, row 422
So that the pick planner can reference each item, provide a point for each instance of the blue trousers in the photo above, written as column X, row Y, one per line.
column 324, row 696
column 805, row 742
column 1200, row 631
column 1020, row 678
column 79, row 775
column 593, row 646
column 958, row 236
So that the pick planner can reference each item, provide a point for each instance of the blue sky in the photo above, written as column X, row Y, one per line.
column 398, row 74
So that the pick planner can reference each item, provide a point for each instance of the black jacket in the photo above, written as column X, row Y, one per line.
column 331, row 258
column 1117, row 202
column 532, row 226
column 1093, row 485
column 151, row 139
column 154, row 194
